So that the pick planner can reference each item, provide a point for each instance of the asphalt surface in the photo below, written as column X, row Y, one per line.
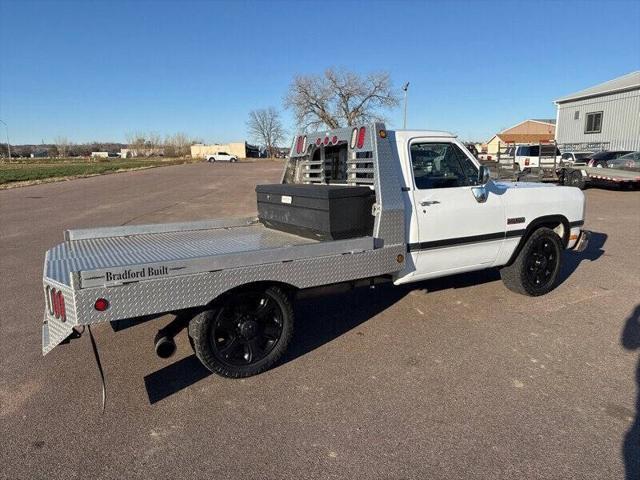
column 451, row 378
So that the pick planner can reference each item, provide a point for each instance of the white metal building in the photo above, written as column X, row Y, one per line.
column 608, row 113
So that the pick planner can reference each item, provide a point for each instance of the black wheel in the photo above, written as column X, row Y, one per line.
column 577, row 180
column 245, row 333
column 535, row 270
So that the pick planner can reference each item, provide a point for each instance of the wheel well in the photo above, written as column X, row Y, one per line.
column 557, row 223
column 286, row 287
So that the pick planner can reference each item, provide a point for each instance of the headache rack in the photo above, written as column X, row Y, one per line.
column 341, row 156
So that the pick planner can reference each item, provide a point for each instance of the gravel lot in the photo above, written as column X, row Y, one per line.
column 451, row 378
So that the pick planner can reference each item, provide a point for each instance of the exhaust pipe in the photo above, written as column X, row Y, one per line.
column 163, row 342
column 164, row 345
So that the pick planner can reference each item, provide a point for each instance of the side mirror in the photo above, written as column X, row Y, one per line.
column 483, row 175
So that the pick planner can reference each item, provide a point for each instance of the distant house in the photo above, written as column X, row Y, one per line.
column 607, row 114
column 528, row 131
column 99, row 154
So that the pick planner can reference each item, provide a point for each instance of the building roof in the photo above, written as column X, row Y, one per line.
column 525, row 137
column 550, row 121
column 630, row 81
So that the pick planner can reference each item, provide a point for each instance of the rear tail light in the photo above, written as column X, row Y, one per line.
column 318, row 141
column 361, row 134
column 56, row 304
column 526, row 161
column 326, row 140
column 489, row 157
column 299, row 144
column 61, row 307
column 354, row 137
column 334, row 140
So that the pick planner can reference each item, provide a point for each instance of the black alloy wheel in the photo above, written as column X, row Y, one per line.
column 246, row 328
column 541, row 262
column 536, row 269
column 245, row 333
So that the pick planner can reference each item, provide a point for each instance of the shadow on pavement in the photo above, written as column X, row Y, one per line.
column 173, row 378
column 572, row 260
column 319, row 320
column 630, row 340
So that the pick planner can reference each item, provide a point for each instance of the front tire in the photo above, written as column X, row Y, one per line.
column 536, row 269
column 245, row 333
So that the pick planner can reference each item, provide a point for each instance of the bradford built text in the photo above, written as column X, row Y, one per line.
column 136, row 274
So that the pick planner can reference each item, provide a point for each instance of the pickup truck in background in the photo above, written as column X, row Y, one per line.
column 529, row 156
column 355, row 205
column 221, row 157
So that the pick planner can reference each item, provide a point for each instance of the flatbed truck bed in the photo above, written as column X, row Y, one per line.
column 151, row 269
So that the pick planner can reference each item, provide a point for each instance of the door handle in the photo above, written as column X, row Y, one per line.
column 429, row 202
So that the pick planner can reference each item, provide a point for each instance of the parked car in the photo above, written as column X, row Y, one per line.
column 222, row 157
column 600, row 159
column 630, row 160
column 575, row 158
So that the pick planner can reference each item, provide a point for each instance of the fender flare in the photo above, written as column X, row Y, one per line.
column 545, row 220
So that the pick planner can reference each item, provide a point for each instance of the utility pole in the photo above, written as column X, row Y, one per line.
column 8, row 144
column 405, row 88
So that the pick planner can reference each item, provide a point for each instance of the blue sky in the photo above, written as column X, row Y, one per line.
column 92, row 70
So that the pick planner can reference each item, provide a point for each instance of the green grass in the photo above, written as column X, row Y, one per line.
column 38, row 169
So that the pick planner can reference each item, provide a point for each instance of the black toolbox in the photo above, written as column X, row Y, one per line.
column 322, row 212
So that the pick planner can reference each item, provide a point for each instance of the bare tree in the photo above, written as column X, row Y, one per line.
column 62, row 144
column 265, row 126
column 340, row 98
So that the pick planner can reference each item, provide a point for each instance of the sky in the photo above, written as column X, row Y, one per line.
column 97, row 70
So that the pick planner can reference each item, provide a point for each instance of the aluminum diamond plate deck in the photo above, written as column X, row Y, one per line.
column 98, row 253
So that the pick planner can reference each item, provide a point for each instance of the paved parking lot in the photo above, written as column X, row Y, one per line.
column 452, row 378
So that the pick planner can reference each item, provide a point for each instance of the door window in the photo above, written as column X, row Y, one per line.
column 441, row 165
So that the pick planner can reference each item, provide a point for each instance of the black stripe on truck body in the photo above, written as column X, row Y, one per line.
column 489, row 237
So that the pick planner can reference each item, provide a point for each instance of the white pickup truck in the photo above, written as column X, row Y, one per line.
column 221, row 157
column 354, row 204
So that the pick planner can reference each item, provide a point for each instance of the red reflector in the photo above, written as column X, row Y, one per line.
column 326, row 140
column 61, row 308
column 334, row 140
column 101, row 304
column 361, row 133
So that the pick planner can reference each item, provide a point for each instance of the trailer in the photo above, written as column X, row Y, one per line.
column 356, row 204
column 549, row 168
column 582, row 177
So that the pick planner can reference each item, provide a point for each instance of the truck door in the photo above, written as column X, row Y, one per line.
column 456, row 232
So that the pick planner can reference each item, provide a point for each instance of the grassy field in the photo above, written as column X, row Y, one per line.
column 41, row 168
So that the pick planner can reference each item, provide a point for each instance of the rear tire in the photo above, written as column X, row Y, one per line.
column 536, row 268
column 245, row 333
